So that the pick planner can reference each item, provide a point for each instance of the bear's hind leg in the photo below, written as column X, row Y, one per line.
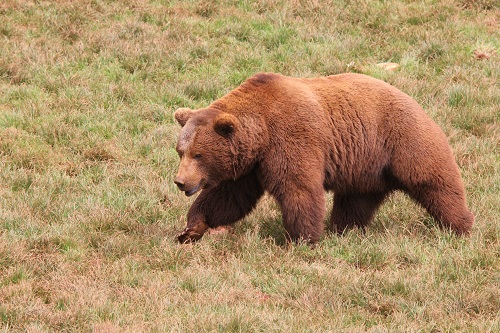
column 447, row 206
column 354, row 209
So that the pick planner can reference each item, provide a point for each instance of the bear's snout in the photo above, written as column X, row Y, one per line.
column 180, row 183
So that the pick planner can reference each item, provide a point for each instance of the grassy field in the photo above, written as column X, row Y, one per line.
column 89, row 211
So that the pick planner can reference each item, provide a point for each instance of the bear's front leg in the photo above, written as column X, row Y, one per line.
column 194, row 230
column 222, row 205
column 303, row 213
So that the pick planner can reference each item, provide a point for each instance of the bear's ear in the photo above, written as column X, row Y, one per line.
column 182, row 115
column 225, row 124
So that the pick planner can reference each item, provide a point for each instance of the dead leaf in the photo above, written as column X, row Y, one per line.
column 481, row 54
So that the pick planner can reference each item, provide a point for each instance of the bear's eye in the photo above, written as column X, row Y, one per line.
column 197, row 156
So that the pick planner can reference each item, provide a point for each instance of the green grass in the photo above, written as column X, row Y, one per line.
column 88, row 209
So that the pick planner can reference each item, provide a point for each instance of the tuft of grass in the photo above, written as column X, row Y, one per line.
column 459, row 96
column 89, row 212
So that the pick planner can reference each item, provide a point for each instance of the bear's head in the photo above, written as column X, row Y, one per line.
column 206, row 147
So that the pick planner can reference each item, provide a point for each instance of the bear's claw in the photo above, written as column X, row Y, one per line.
column 192, row 234
column 188, row 236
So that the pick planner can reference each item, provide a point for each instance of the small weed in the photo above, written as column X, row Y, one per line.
column 61, row 305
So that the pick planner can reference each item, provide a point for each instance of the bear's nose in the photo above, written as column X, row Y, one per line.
column 179, row 183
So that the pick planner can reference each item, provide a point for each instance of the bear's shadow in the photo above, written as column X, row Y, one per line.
column 268, row 228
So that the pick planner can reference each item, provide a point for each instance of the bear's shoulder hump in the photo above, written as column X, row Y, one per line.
column 263, row 78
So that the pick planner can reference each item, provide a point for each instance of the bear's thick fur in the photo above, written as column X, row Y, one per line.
column 295, row 138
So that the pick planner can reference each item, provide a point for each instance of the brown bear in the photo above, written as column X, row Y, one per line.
column 296, row 138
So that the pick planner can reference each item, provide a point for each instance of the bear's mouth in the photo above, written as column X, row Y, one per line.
column 194, row 190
